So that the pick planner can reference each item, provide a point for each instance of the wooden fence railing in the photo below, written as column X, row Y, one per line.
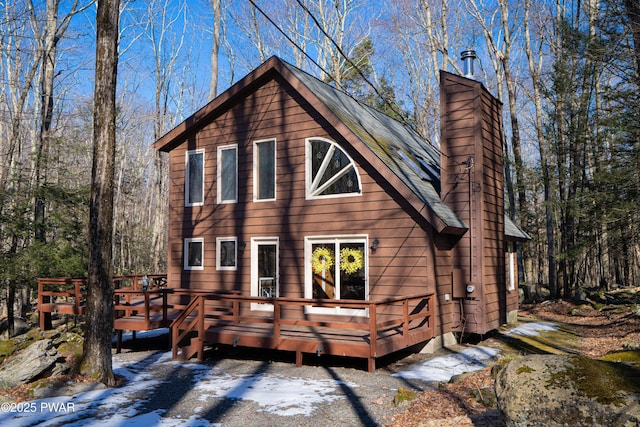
column 66, row 295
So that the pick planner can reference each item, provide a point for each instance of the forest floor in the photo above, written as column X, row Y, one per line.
column 597, row 333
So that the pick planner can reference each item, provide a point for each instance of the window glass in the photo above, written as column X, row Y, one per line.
column 227, row 174
column 267, row 265
column 352, row 281
column 194, row 182
column 193, row 254
column 264, row 271
column 266, row 170
column 227, row 255
column 330, row 170
column 337, row 270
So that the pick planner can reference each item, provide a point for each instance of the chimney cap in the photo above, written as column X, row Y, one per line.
column 468, row 56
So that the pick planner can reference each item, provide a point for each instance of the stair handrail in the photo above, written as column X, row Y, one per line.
column 197, row 303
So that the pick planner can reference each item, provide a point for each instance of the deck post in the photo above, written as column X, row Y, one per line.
column 371, row 365
column 76, row 298
column 298, row 359
column 276, row 323
column 405, row 321
column 165, row 308
column 236, row 311
column 44, row 317
column 200, row 338
column 147, row 315
column 373, row 336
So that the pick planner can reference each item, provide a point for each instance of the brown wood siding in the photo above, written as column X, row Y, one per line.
column 471, row 127
column 403, row 264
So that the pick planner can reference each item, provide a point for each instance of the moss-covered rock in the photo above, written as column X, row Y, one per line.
column 403, row 397
column 631, row 357
column 558, row 390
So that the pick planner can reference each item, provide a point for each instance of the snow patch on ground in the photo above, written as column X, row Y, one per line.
column 277, row 395
column 442, row 368
column 532, row 329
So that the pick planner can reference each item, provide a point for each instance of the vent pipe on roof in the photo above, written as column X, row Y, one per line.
column 468, row 57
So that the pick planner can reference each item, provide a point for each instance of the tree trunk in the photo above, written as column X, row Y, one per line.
column 96, row 360
column 215, row 48
column 633, row 15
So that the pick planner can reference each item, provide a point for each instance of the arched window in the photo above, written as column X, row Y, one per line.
column 330, row 171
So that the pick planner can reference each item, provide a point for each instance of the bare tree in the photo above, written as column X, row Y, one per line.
column 96, row 358
column 53, row 32
column 215, row 48
column 425, row 37
column 535, row 60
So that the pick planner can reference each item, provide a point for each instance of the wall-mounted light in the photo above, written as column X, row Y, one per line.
column 375, row 244
column 242, row 246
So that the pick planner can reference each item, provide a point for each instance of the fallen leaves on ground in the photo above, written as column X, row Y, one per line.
column 601, row 331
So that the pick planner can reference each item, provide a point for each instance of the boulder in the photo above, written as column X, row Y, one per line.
column 20, row 327
column 567, row 390
column 29, row 364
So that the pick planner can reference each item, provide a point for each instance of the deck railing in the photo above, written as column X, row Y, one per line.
column 66, row 295
column 211, row 310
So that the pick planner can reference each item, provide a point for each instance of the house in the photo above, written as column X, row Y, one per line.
column 299, row 207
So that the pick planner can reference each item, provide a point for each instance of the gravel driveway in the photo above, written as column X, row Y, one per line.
column 228, row 389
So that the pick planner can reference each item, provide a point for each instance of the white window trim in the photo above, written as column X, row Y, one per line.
column 186, row 176
column 308, row 279
column 219, row 173
column 307, row 178
column 256, row 176
column 511, row 271
column 255, row 242
column 185, row 253
column 219, row 241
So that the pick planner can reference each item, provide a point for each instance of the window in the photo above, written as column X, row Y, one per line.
column 264, row 270
column 336, row 269
column 264, row 160
column 228, row 174
column 330, row 171
column 194, row 254
column 511, row 267
column 226, row 253
column 194, row 178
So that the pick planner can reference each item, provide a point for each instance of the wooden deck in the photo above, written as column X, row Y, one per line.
column 200, row 318
column 66, row 295
column 392, row 324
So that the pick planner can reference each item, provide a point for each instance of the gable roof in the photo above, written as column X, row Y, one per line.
column 407, row 161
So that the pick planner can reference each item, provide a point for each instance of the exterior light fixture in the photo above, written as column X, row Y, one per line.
column 375, row 244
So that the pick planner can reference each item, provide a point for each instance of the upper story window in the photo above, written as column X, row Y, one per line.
column 194, row 178
column 264, row 160
column 330, row 171
column 228, row 174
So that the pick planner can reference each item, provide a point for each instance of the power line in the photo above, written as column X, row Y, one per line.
column 268, row 18
column 341, row 52
column 350, row 62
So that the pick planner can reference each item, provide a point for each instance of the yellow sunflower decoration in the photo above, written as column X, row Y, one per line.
column 351, row 260
column 322, row 259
